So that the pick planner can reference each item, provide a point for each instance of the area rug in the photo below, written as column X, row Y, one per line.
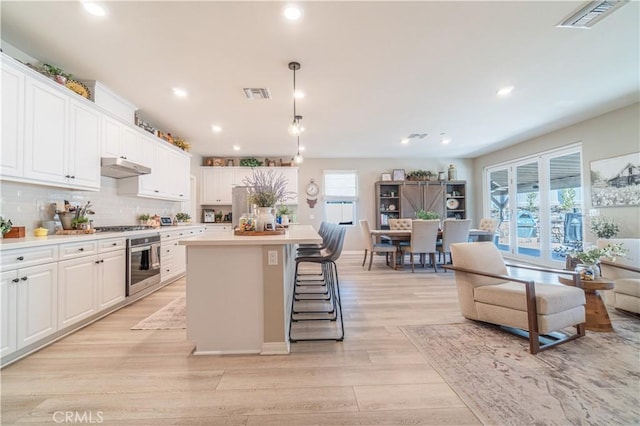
column 171, row 317
column 594, row 380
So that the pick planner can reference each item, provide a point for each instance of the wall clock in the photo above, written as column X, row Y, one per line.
column 312, row 188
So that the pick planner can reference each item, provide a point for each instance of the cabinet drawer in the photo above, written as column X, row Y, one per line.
column 19, row 258
column 111, row 244
column 170, row 235
column 71, row 250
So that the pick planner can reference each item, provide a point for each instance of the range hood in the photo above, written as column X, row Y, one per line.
column 121, row 168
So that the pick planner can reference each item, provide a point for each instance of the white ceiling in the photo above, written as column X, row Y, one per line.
column 373, row 72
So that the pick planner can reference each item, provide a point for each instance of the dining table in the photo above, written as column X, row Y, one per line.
column 398, row 236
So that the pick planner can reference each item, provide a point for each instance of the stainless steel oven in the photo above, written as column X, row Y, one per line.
column 143, row 262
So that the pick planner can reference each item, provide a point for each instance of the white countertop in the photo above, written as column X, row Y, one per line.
column 31, row 241
column 299, row 234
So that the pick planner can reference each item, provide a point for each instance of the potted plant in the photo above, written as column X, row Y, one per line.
column 144, row 218
column 427, row 215
column 5, row 225
column 183, row 218
column 588, row 259
column 284, row 214
column 266, row 189
column 55, row 73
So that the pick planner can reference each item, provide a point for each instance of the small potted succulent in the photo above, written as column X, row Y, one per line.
column 182, row 218
column 144, row 219
column 55, row 73
column 5, row 225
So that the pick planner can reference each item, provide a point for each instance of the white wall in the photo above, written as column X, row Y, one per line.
column 28, row 205
column 609, row 135
column 369, row 171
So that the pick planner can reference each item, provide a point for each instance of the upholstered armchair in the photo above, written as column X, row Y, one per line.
column 625, row 273
column 488, row 293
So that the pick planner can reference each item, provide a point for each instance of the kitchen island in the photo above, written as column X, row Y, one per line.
column 239, row 290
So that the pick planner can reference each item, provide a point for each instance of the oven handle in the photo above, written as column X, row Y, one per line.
column 139, row 249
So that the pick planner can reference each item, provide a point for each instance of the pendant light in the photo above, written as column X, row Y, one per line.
column 298, row 158
column 295, row 128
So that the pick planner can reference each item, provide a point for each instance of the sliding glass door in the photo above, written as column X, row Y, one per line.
column 538, row 205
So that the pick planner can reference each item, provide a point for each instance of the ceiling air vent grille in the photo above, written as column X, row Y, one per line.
column 256, row 93
column 592, row 13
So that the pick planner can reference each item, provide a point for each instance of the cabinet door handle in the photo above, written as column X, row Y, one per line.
column 24, row 278
column 96, row 262
column 114, row 244
column 20, row 258
column 67, row 176
column 155, row 190
column 15, row 280
column 102, row 261
column 81, row 249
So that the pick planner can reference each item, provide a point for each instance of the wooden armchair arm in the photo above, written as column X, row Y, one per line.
column 543, row 269
column 620, row 266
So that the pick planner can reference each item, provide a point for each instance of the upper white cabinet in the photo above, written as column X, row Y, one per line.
column 84, row 146
column 12, row 93
column 169, row 177
column 216, row 183
column 133, row 146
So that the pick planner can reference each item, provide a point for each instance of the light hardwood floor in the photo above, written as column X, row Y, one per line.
column 375, row 376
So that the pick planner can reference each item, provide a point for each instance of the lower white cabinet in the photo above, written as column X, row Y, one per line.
column 89, row 284
column 77, row 295
column 173, row 256
column 111, row 278
column 29, row 307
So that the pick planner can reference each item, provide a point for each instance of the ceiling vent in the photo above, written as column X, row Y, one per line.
column 591, row 14
column 256, row 93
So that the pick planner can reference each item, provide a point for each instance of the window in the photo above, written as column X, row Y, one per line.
column 340, row 195
column 544, row 195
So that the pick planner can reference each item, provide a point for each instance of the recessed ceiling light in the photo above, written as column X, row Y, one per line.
column 216, row 129
column 404, row 141
column 301, row 148
column 298, row 94
column 292, row 13
column 94, row 8
column 236, row 148
column 505, row 90
column 181, row 93
column 444, row 138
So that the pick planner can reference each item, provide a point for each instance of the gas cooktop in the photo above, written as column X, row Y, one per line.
column 122, row 228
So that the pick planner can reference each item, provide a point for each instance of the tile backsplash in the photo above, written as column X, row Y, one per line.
column 29, row 205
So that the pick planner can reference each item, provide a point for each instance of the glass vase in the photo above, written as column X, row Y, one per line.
column 587, row 271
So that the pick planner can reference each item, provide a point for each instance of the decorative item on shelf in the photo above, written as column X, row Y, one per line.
column 386, row 177
column 54, row 73
column 453, row 174
column 452, row 204
column 247, row 223
column 79, row 88
column 587, row 272
column 182, row 144
column 426, row 215
column 5, row 225
column 398, row 174
column 40, row 232
column 441, row 176
column 75, row 217
column 419, row 175
column 592, row 256
column 230, row 162
column 218, row 216
column 265, row 191
column 250, row 162
column 15, row 232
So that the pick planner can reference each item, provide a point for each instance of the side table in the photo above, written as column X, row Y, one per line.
column 597, row 317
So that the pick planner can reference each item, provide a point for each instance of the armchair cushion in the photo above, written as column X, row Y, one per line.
column 628, row 286
column 550, row 298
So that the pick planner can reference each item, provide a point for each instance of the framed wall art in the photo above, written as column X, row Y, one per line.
column 615, row 182
column 386, row 176
column 398, row 174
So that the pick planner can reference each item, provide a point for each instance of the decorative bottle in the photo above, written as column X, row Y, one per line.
column 453, row 175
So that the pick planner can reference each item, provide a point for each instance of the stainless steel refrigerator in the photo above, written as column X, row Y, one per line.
column 239, row 203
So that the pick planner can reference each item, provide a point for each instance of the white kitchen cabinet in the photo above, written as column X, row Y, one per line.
column 62, row 138
column 173, row 256
column 169, row 177
column 77, row 292
column 46, row 133
column 84, row 146
column 120, row 140
column 8, row 319
column 216, row 185
column 111, row 278
column 12, row 90
column 37, row 303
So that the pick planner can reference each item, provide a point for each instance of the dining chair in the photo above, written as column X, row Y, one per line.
column 489, row 225
column 401, row 224
column 424, row 235
column 453, row 231
column 371, row 247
